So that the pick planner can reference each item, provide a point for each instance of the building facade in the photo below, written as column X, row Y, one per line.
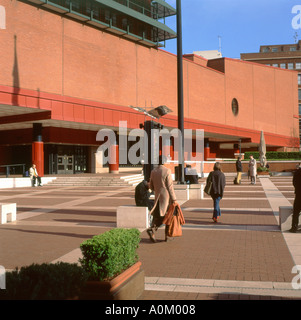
column 286, row 56
column 71, row 68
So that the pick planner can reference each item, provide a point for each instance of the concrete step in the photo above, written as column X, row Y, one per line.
column 97, row 181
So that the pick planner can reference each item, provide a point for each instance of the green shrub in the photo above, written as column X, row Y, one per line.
column 57, row 281
column 255, row 154
column 108, row 254
column 274, row 155
column 262, row 169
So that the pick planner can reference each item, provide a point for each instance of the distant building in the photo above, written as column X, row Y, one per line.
column 285, row 56
column 209, row 54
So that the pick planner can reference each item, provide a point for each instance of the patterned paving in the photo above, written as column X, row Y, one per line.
column 245, row 247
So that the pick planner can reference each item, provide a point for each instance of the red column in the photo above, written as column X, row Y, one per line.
column 206, row 150
column 38, row 156
column 114, row 159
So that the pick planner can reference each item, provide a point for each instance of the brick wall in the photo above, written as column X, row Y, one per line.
column 50, row 53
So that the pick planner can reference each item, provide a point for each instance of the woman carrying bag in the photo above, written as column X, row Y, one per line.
column 216, row 183
column 162, row 184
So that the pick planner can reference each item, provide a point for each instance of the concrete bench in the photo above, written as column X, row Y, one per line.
column 8, row 212
column 181, row 191
column 189, row 191
column 196, row 191
column 133, row 217
column 285, row 217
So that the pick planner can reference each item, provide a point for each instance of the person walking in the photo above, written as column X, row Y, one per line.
column 253, row 169
column 162, row 184
column 238, row 170
column 297, row 201
column 218, row 180
column 33, row 174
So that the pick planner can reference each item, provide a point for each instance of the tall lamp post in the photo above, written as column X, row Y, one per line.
column 180, row 92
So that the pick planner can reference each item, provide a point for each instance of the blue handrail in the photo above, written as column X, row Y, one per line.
column 8, row 166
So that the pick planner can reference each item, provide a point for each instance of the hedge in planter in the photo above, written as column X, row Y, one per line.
column 263, row 169
column 274, row 155
column 59, row 281
column 108, row 254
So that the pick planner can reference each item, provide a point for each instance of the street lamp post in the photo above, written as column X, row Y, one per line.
column 180, row 92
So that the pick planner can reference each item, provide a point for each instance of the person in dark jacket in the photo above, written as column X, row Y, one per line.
column 297, row 201
column 217, row 191
column 191, row 175
column 142, row 195
column 238, row 170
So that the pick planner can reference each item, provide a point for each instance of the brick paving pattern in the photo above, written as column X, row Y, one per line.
column 246, row 244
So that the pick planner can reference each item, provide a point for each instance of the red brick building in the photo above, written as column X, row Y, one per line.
column 70, row 68
column 284, row 56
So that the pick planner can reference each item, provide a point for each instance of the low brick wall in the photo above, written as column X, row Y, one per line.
column 275, row 166
column 230, row 166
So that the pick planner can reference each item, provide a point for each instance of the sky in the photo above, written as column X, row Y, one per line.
column 242, row 25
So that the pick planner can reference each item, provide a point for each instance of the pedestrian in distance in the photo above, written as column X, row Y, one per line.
column 238, row 171
column 34, row 176
column 297, row 201
column 218, row 180
column 253, row 169
column 162, row 184
column 191, row 175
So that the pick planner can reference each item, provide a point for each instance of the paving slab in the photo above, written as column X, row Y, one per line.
column 244, row 256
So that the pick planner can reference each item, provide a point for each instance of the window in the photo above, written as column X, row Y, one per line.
column 298, row 65
column 275, row 65
column 274, row 49
column 299, row 94
column 235, row 106
column 283, row 65
column 266, row 49
column 114, row 20
column 124, row 23
column 107, row 17
column 290, row 66
column 300, row 109
column 75, row 5
column 299, row 78
column 293, row 49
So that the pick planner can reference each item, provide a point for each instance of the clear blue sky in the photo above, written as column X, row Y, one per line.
column 243, row 25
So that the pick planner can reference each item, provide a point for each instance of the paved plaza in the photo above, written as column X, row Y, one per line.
column 244, row 256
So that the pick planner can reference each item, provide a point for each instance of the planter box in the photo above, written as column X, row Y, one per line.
column 129, row 285
column 263, row 173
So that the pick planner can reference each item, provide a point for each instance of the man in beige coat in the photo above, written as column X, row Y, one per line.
column 162, row 184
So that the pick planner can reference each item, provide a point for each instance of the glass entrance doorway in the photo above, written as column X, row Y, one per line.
column 67, row 159
column 65, row 164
